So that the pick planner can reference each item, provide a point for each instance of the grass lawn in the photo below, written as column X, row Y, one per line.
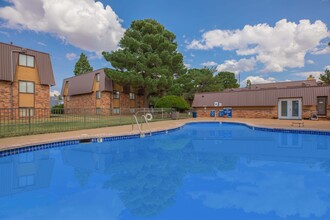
column 60, row 123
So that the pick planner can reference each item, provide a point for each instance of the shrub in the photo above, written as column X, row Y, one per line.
column 172, row 101
column 57, row 109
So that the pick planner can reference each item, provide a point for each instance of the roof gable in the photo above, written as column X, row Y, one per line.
column 9, row 58
column 83, row 84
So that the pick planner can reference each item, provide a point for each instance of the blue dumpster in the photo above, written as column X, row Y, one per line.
column 194, row 114
column 221, row 113
column 228, row 112
column 212, row 113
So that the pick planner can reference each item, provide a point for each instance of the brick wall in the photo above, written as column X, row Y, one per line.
column 105, row 100
column 307, row 111
column 88, row 101
column 124, row 101
column 41, row 100
column 140, row 103
column 4, row 94
column 78, row 103
column 257, row 112
column 242, row 112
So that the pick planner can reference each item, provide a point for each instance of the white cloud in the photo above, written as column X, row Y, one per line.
column 71, row 56
column 305, row 75
column 258, row 80
column 327, row 67
column 243, row 65
column 209, row 63
column 55, row 93
column 85, row 24
column 322, row 49
column 5, row 33
column 282, row 46
column 42, row 44
column 310, row 62
column 187, row 65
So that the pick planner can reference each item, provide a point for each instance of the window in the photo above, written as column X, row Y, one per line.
column 131, row 96
column 97, row 77
column 26, row 60
column 26, row 112
column 26, row 87
column 27, row 180
column 98, row 94
column 98, row 111
column 68, row 98
column 116, row 111
column 116, row 95
column 132, row 110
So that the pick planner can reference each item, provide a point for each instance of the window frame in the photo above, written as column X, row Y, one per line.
column 116, row 95
column 98, row 94
column 26, row 87
column 116, row 111
column 26, row 181
column 97, row 77
column 20, row 55
column 23, row 112
column 132, row 96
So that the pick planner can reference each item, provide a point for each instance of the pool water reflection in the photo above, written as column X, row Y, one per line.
column 203, row 171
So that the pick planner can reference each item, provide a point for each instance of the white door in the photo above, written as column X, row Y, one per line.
column 289, row 109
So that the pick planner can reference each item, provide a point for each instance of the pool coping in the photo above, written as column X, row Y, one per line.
column 11, row 150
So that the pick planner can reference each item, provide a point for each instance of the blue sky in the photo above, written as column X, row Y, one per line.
column 263, row 40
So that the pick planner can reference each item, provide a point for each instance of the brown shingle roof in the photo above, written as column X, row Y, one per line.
column 9, row 58
column 83, row 84
column 285, row 84
column 261, row 97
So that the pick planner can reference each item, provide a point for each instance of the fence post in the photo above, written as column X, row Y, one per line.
column 162, row 113
column 84, row 118
column 120, row 109
column 29, row 111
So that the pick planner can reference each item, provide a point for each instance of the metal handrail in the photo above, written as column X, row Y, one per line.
column 138, row 125
column 145, row 119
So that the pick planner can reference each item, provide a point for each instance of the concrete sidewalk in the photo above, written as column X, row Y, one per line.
column 15, row 142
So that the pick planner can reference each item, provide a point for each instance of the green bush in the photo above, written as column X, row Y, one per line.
column 172, row 101
column 57, row 109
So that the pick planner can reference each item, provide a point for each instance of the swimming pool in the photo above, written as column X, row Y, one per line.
column 201, row 171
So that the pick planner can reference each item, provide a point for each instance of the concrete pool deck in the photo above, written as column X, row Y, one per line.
column 20, row 141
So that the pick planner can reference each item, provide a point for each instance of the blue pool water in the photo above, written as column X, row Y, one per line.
column 202, row 171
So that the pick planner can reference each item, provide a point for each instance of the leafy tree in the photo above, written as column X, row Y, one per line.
column 248, row 83
column 195, row 81
column 228, row 80
column 172, row 101
column 147, row 58
column 325, row 77
column 57, row 109
column 82, row 66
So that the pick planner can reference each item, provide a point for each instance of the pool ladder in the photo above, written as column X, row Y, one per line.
column 142, row 134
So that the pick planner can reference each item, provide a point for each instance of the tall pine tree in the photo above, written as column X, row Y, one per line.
column 147, row 58
column 82, row 66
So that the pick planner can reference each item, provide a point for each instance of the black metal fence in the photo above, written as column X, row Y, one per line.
column 25, row 121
